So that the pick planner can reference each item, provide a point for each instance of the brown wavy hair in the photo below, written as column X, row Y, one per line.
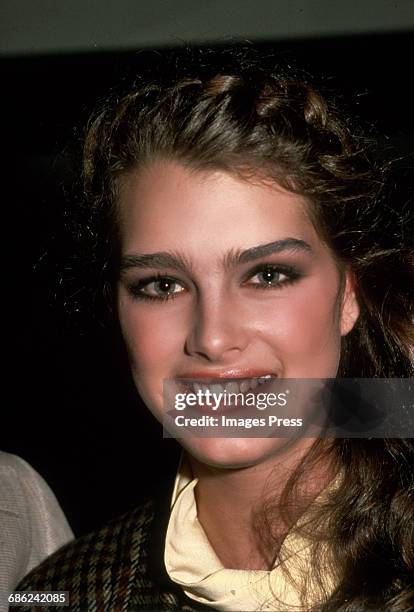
column 235, row 111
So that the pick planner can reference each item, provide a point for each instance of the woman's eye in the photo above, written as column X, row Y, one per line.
column 270, row 276
column 163, row 288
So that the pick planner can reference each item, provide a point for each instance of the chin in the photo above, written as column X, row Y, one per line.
column 234, row 453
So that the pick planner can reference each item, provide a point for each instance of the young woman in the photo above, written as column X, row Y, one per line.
column 243, row 237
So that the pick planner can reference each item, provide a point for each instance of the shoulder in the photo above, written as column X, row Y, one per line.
column 32, row 524
column 15, row 476
column 22, row 487
column 25, row 495
column 106, row 569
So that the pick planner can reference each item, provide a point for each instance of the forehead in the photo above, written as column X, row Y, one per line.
column 168, row 205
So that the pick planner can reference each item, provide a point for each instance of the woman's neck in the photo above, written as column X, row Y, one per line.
column 230, row 500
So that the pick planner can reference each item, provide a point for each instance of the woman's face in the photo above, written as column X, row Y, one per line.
column 224, row 278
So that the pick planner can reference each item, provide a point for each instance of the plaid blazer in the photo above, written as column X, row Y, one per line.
column 117, row 568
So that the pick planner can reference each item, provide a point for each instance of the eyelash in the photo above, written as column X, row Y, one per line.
column 135, row 289
column 293, row 275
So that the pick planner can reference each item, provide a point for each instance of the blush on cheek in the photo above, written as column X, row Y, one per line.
column 147, row 352
column 141, row 338
column 309, row 337
column 152, row 336
column 323, row 347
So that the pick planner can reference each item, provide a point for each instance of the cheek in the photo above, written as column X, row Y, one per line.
column 306, row 333
column 149, row 335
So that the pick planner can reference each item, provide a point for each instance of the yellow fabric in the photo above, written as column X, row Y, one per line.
column 192, row 563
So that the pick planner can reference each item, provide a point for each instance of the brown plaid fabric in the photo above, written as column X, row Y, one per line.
column 118, row 568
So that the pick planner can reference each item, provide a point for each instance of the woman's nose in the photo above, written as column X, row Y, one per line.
column 219, row 332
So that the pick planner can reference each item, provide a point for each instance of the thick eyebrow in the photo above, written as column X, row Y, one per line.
column 177, row 261
column 263, row 250
column 155, row 260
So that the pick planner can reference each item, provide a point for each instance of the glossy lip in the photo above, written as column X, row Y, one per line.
column 185, row 380
column 184, row 385
column 230, row 374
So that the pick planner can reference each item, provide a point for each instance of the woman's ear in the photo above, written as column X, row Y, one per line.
column 349, row 305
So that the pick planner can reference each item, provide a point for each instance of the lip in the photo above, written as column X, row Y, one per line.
column 228, row 373
column 224, row 381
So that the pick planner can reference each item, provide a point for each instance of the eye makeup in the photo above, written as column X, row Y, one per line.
column 162, row 287
column 272, row 276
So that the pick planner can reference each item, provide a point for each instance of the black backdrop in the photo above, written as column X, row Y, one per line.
column 69, row 406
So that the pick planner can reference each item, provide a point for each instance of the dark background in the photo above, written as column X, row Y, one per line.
column 69, row 405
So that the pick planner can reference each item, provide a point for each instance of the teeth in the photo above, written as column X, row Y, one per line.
column 264, row 379
column 217, row 389
column 244, row 386
column 233, row 386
